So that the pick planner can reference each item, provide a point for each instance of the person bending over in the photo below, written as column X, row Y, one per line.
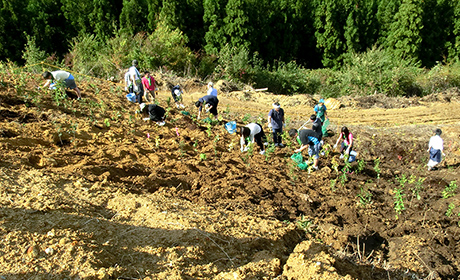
column 153, row 112
column 251, row 133
column 308, row 139
column 210, row 103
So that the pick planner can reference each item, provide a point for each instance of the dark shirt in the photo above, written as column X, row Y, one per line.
column 277, row 118
column 317, row 127
column 303, row 136
column 209, row 99
column 156, row 113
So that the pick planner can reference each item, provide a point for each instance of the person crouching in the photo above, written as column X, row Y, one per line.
column 153, row 112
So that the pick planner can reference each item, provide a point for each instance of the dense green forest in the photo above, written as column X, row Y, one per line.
column 314, row 33
column 327, row 47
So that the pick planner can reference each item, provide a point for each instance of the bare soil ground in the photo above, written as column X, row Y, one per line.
column 90, row 191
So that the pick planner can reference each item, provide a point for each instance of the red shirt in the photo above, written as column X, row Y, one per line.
column 149, row 83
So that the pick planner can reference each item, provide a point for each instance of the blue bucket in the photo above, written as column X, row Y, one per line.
column 231, row 127
column 352, row 156
column 131, row 97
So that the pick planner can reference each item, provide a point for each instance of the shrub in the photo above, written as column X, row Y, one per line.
column 33, row 55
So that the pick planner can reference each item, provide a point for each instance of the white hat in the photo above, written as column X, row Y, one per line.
column 276, row 105
column 142, row 106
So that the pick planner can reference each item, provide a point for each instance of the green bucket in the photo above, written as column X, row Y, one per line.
column 324, row 127
column 303, row 165
column 297, row 158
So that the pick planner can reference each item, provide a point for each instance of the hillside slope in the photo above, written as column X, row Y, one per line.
column 90, row 191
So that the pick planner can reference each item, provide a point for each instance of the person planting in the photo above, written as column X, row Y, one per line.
column 251, row 133
column 153, row 112
column 347, row 142
column 210, row 103
column 61, row 76
column 308, row 139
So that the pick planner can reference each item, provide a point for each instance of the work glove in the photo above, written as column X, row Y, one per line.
column 269, row 125
column 126, row 88
column 335, row 146
column 135, row 88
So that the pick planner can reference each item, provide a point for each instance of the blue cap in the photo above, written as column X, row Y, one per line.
column 321, row 101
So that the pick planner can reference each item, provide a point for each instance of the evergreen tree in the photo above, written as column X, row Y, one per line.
column 236, row 23
column 213, row 21
column 405, row 32
column 171, row 13
column 154, row 8
column 76, row 15
column 453, row 46
column 11, row 32
column 102, row 19
column 386, row 11
column 276, row 37
column 361, row 28
column 46, row 26
column 133, row 17
column 329, row 22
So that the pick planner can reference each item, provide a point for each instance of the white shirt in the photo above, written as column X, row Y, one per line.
column 60, row 75
column 127, row 79
column 254, row 128
column 212, row 91
column 134, row 72
column 436, row 143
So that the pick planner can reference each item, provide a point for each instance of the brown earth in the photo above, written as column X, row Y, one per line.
column 85, row 194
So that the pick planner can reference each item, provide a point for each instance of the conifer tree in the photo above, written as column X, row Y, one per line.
column 329, row 22
column 11, row 30
column 236, row 23
column 361, row 28
column 437, row 22
column 405, row 32
column 102, row 19
column 213, row 20
column 386, row 11
column 454, row 44
column 133, row 16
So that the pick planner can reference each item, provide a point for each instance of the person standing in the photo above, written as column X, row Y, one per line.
column 135, row 78
column 436, row 149
column 128, row 83
column 276, row 123
column 149, row 84
column 61, row 76
column 308, row 139
column 211, row 90
column 210, row 103
column 255, row 133
column 321, row 110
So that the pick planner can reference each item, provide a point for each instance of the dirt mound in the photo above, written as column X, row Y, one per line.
column 90, row 191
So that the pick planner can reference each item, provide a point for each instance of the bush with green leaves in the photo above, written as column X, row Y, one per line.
column 33, row 55
column 165, row 48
